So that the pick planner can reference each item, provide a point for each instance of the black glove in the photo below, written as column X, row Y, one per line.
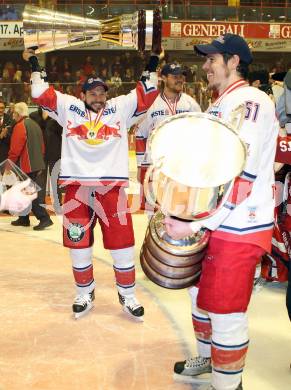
column 150, row 67
column 35, row 67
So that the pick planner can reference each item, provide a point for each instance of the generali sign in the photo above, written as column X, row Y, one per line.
column 190, row 29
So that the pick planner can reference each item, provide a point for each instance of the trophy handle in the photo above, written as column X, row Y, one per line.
column 157, row 32
column 148, row 192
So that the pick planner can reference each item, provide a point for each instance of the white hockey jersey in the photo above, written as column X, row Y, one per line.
column 248, row 214
column 161, row 109
column 94, row 146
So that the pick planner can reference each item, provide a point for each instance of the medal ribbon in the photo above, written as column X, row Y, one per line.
column 172, row 106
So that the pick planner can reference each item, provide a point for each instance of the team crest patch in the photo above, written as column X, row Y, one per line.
column 252, row 217
column 75, row 232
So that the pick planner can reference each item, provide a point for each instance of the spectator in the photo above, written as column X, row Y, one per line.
column 69, row 90
column 53, row 64
column 41, row 117
column 128, row 76
column 10, row 68
column 88, row 66
column 6, row 86
column 103, row 65
column 17, row 84
column 104, row 74
column 53, row 74
column 116, row 67
column 116, row 83
column 80, row 79
column 27, row 149
column 115, row 79
column 67, row 81
column 277, row 87
column 10, row 110
column 67, row 68
column 5, row 132
column 127, row 61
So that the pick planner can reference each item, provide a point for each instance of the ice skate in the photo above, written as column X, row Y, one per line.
column 132, row 307
column 82, row 304
column 193, row 370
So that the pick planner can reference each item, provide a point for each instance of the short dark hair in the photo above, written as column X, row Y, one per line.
column 242, row 68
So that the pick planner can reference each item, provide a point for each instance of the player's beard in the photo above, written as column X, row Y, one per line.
column 176, row 88
column 91, row 108
column 218, row 82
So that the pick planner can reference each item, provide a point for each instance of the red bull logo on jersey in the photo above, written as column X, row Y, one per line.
column 93, row 135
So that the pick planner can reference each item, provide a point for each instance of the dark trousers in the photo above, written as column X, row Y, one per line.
column 42, row 192
column 39, row 211
column 54, row 170
column 53, row 167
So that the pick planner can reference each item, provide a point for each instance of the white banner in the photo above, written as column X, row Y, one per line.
column 265, row 45
column 11, row 29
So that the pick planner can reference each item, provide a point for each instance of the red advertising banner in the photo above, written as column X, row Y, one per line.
column 193, row 29
column 283, row 153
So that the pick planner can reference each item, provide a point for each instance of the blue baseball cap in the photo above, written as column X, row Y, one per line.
column 93, row 82
column 227, row 43
column 173, row 68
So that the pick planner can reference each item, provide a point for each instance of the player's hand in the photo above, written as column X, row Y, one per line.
column 162, row 54
column 27, row 54
column 177, row 229
column 180, row 229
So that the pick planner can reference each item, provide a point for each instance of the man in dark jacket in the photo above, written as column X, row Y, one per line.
column 5, row 132
column 41, row 118
column 27, row 148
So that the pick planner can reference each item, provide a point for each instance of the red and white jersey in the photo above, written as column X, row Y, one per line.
column 94, row 146
column 160, row 110
column 248, row 214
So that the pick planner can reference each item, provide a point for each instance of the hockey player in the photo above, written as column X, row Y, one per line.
column 94, row 168
column 241, row 231
column 170, row 101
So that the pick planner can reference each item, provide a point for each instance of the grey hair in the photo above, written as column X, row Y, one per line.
column 21, row 109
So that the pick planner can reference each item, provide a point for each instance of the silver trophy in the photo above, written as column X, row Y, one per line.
column 196, row 159
column 48, row 30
